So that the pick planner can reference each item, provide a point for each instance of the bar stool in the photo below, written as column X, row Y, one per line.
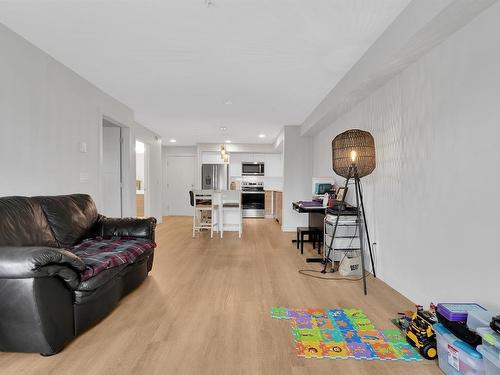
column 314, row 235
column 205, row 202
column 230, row 203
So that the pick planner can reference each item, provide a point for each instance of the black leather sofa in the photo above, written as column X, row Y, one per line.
column 43, row 302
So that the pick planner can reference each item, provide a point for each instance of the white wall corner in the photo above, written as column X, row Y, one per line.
column 297, row 174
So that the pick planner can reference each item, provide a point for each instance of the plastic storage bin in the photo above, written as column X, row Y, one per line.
column 455, row 356
column 491, row 341
column 457, row 312
column 491, row 362
column 478, row 319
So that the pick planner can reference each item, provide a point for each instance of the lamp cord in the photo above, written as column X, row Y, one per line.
column 303, row 272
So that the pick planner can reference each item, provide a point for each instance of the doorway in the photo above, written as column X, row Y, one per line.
column 181, row 172
column 112, row 174
column 142, row 179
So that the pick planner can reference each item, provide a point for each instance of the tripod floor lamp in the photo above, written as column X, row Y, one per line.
column 353, row 157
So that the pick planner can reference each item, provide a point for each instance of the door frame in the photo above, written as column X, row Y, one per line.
column 125, row 155
column 195, row 159
column 147, row 175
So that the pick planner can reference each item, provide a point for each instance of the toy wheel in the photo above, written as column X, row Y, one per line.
column 429, row 351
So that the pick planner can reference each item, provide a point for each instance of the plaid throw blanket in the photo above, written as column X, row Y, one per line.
column 100, row 254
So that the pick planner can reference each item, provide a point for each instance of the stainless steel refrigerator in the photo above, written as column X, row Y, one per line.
column 215, row 176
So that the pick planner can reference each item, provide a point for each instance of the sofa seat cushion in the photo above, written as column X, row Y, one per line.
column 100, row 279
column 101, row 254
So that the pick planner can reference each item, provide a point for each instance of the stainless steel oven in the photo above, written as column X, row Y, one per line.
column 253, row 199
column 252, row 168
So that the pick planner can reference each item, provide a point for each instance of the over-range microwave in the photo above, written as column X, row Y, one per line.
column 252, row 168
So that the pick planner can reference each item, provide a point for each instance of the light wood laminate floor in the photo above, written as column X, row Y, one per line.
column 204, row 309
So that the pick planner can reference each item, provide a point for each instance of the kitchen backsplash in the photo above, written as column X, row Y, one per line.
column 270, row 183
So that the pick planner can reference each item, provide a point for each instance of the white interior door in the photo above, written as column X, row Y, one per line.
column 181, row 172
column 111, row 171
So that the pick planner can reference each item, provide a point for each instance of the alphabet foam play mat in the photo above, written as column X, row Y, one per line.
column 343, row 334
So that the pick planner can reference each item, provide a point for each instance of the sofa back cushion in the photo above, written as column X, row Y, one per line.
column 71, row 217
column 23, row 223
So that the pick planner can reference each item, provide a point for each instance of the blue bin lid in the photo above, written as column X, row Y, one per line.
column 489, row 356
column 439, row 328
column 469, row 350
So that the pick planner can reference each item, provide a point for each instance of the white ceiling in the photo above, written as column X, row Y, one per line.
column 177, row 62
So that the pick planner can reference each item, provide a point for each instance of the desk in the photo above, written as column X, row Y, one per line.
column 317, row 212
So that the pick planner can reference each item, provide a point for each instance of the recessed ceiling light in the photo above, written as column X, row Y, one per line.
column 223, row 128
column 262, row 136
column 173, row 140
column 229, row 102
column 228, row 141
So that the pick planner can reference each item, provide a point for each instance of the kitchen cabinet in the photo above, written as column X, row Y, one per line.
column 273, row 166
column 211, row 157
column 268, row 204
column 139, row 197
column 235, row 160
column 278, row 205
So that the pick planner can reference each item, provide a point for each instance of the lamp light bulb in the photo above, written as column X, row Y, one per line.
column 354, row 156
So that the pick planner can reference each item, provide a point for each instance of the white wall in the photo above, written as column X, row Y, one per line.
column 46, row 110
column 433, row 200
column 297, row 175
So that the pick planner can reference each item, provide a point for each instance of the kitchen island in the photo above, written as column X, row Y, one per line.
column 227, row 210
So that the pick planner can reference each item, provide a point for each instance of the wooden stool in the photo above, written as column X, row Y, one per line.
column 314, row 235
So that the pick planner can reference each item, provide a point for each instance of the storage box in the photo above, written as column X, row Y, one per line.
column 460, row 330
column 491, row 363
column 491, row 340
column 457, row 312
column 478, row 319
column 455, row 356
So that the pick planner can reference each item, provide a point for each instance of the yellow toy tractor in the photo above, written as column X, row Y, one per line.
column 420, row 333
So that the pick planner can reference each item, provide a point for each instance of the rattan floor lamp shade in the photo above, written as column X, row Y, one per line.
column 353, row 147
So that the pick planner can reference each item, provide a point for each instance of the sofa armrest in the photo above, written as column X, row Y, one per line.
column 128, row 227
column 18, row 262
